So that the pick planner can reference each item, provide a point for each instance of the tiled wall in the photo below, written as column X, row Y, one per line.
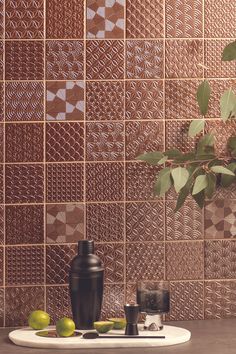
column 83, row 97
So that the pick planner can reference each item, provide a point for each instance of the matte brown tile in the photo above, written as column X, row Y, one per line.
column 1, row 184
column 222, row 132
column 2, row 308
column 225, row 193
column 2, row 266
column 218, row 87
column 1, row 225
column 58, row 302
column 114, row 299
column 1, row 142
column 1, row 59
column 1, row 18
column 177, row 136
column 112, row 256
column 2, row 102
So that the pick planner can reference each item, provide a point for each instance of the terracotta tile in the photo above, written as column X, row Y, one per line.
column 24, row 183
column 24, row 19
column 58, row 302
column 1, row 18
column 2, row 306
column 1, row 184
column 2, row 98
column 24, row 142
column 2, row 266
column 144, row 19
column 1, row 225
column 184, row 18
column 20, row 302
column 65, row 183
column 177, row 136
column 222, row 133
column 144, row 261
column 113, row 303
column 105, row 100
column 57, row 263
column 24, row 224
column 1, row 142
column 144, row 99
column 24, row 265
column 65, row 223
column 105, row 19
column 142, row 137
column 24, row 101
column 184, row 260
column 65, row 19
column 104, row 141
column 1, row 59
column 64, row 60
column 105, row 59
column 144, row 59
column 104, row 181
column 24, row 60
column 145, row 221
column 225, row 193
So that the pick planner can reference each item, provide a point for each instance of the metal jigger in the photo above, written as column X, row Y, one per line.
column 131, row 314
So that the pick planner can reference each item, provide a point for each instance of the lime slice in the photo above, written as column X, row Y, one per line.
column 119, row 323
column 103, row 326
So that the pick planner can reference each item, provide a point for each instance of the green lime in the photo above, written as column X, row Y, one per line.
column 119, row 323
column 103, row 326
column 65, row 327
column 38, row 319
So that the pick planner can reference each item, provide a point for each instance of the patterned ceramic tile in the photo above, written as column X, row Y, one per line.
column 24, row 19
column 105, row 222
column 64, row 142
column 144, row 19
column 177, row 136
column 65, row 223
column 104, row 182
column 58, row 302
column 24, row 183
column 24, row 265
column 65, row 19
column 20, row 302
column 1, row 59
column 105, row 19
column 104, row 141
column 64, row 60
column 64, row 183
column 142, row 137
column 184, row 18
column 2, row 265
column 184, row 260
column 144, row 59
column 105, row 59
column 1, row 225
column 1, row 142
column 114, row 299
column 2, row 97
column 222, row 133
column 225, row 193
column 1, row 18
column 65, row 100
column 105, row 100
column 2, row 308
column 24, row 224
column 24, row 60
column 1, row 184
column 24, row 101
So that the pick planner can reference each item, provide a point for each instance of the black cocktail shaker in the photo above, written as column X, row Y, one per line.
column 86, row 286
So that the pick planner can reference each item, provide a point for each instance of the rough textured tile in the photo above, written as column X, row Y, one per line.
column 2, row 265
column 184, row 260
column 64, row 60
column 1, row 184
column 218, row 87
column 1, row 142
column 65, row 223
column 64, row 183
column 105, row 59
column 24, row 224
column 225, row 193
column 2, row 97
column 1, row 18
column 58, row 302
column 105, row 19
column 113, row 303
column 104, row 141
column 112, row 256
column 222, row 133
column 177, row 136
column 2, row 308
column 65, row 100
column 24, row 60
column 1, row 60
column 1, row 225
column 24, row 265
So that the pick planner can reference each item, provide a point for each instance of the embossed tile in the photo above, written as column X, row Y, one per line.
column 65, row 223
column 2, row 97
column 58, row 302
column 24, row 224
column 2, row 265
column 1, row 18
column 225, row 193
column 105, row 59
column 64, row 183
column 64, row 60
column 177, row 136
column 1, row 184
column 218, row 87
column 104, row 181
column 144, row 59
column 222, row 133
column 24, row 60
column 184, row 260
column 1, row 60
column 113, row 303
column 65, row 19
column 1, row 142
column 2, row 308
column 1, row 225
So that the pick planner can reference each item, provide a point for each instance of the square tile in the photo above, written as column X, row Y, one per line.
column 104, row 141
column 1, row 184
column 222, row 133
column 2, row 266
column 105, row 59
column 1, row 225
column 144, row 59
column 65, row 183
column 24, row 60
column 64, row 223
column 177, row 136
column 64, row 142
column 65, row 100
column 64, row 60
column 218, row 87
column 105, row 19
column 1, row 59
column 112, row 257
column 1, row 18
column 1, row 142
column 225, row 193
column 2, row 102
column 58, row 302
column 2, row 308
column 114, row 299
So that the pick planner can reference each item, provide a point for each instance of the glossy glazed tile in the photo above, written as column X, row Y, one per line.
column 64, row 183
column 24, row 224
column 177, row 136
column 65, row 100
column 105, row 19
column 114, row 299
column 105, row 59
column 24, row 60
column 1, row 225
column 24, row 183
column 24, row 19
column 64, row 60
column 144, row 59
column 64, row 223
column 58, row 302
column 65, row 19
column 218, row 87
column 24, row 265
column 105, row 100
column 222, row 133
column 104, row 181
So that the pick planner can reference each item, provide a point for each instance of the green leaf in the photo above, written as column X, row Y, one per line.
column 151, row 157
column 163, row 182
column 206, row 145
column 190, row 156
column 163, row 160
column 229, row 52
column 205, row 157
column 232, row 142
column 227, row 180
column 196, row 127
column 227, row 104
column 200, row 199
column 171, row 154
column 203, row 96
column 180, row 176
column 233, row 153
column 184, row 192
column 222, row 169
column 199, row 184
column 211, row 185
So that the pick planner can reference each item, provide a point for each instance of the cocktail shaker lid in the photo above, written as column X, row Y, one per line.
column 85, row 247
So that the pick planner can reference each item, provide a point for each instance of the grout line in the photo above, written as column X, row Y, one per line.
column 118, row 39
